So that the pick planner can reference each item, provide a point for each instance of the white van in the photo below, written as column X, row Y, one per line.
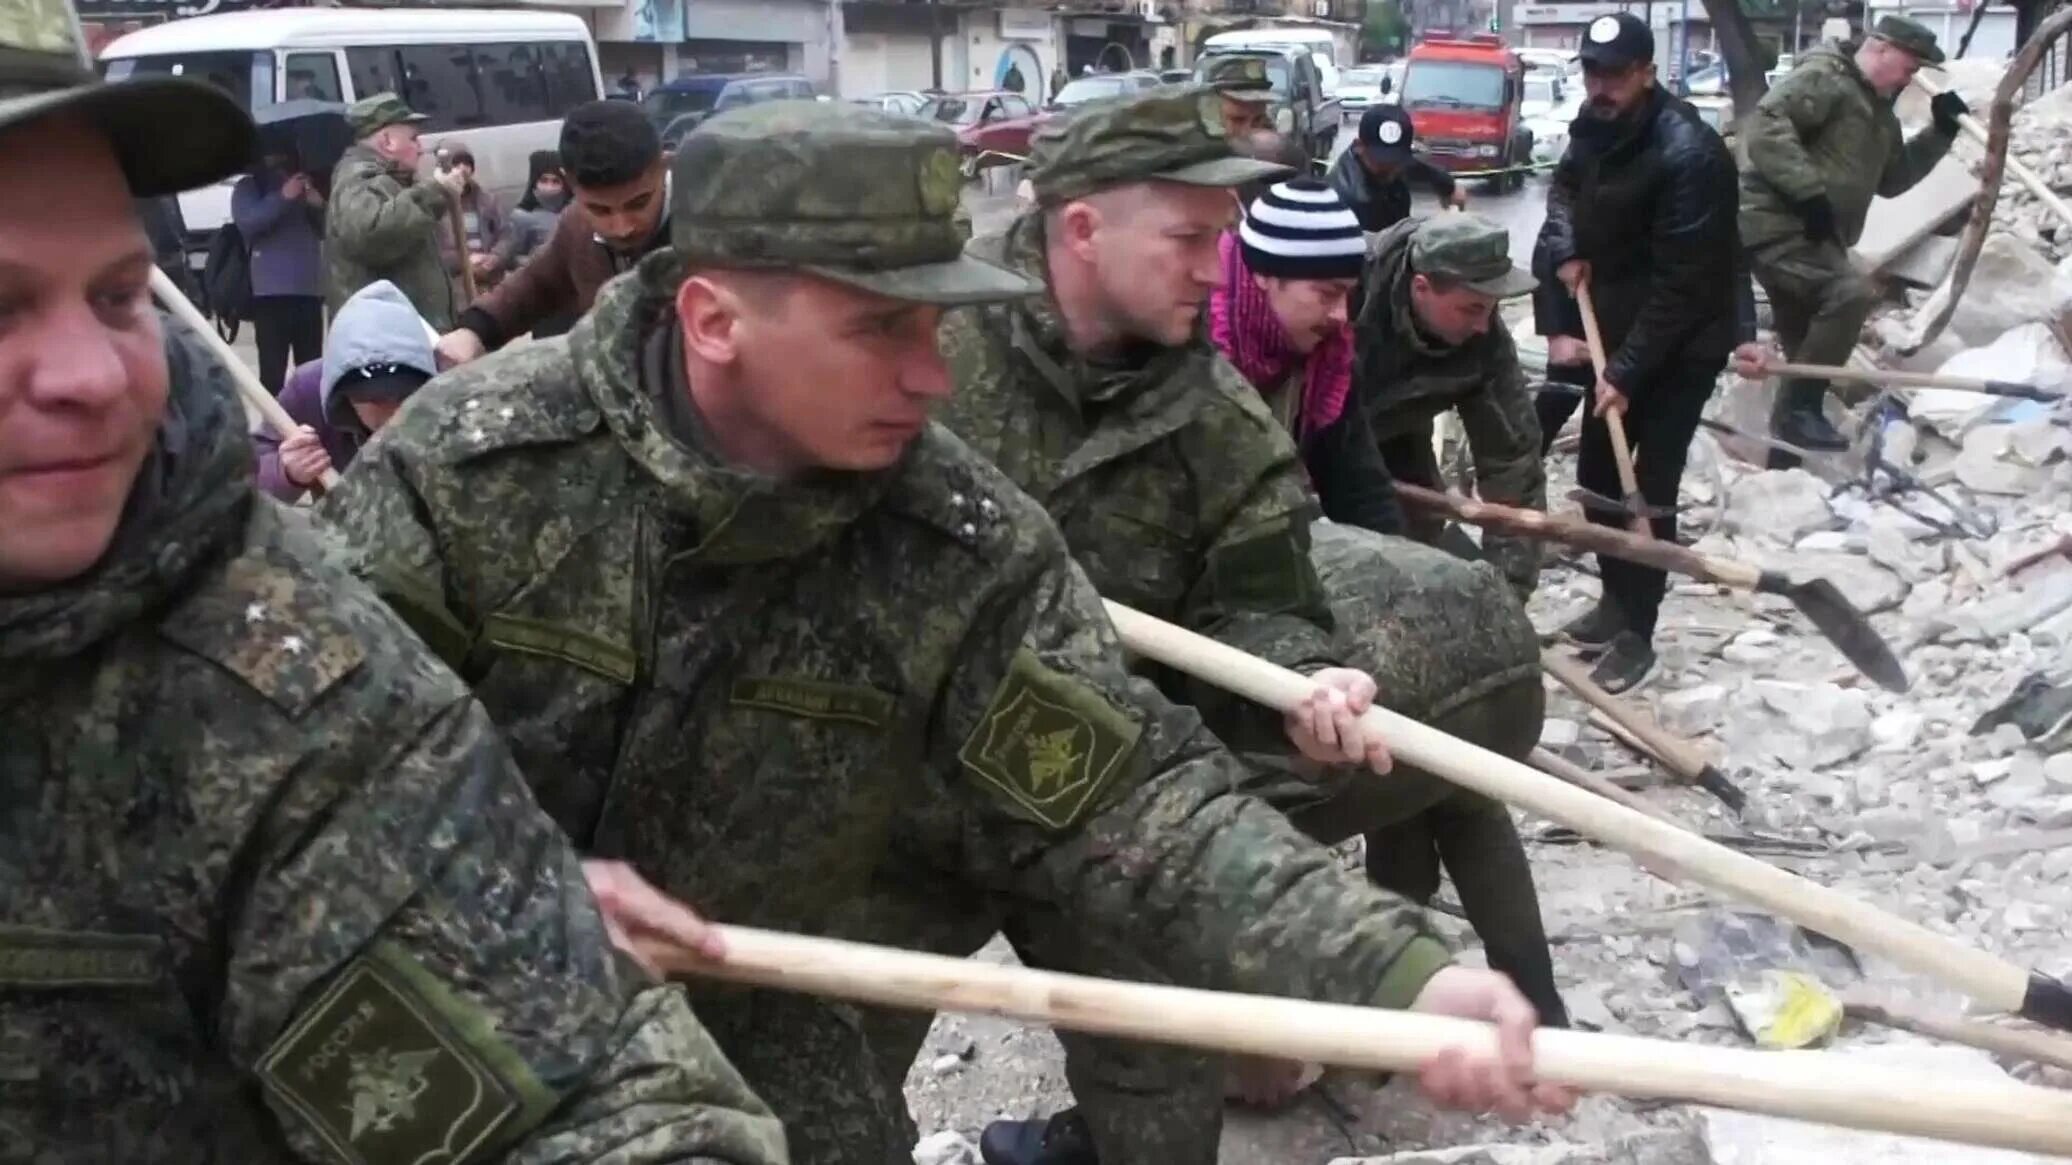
column 1320, row 43
column 499, row 81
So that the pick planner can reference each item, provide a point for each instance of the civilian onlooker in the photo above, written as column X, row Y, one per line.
column 378, row 355
column 546, row 194
column 280, row 213
column 483, row 220
column 619, row 212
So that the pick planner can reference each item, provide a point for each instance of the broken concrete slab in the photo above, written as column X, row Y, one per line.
column 1926, row 263
column 1988, row 463
column 1739, row 1138
column 1895, row 225
column 2011, row 285
column 1784, row 505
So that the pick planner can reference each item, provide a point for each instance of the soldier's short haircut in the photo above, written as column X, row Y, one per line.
column 608, row 143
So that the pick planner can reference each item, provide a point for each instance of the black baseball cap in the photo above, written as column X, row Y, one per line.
column 1617, row 42
column 1386, row 134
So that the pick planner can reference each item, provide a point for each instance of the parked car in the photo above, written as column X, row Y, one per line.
column 677, row 106
column 1175, row 76
column 1085, row 89
column 1550, row 103
column 1547, row 60
column 989, row 123
column 1362, row 86
column 905, row 102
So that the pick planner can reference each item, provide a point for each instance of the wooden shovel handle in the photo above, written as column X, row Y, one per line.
column 1815, row 1086
column 1676, row 752
column 1624, row 544
column 1991, row 980
column 248, row 385
column 1621, row 451
column 459, row 227
column 2015, row 166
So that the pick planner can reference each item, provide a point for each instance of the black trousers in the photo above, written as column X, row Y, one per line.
column 1660, row 420
column 285, row 324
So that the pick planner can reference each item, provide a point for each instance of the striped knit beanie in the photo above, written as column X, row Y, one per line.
column 1302, row 229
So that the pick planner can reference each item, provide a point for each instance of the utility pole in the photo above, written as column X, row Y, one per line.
column 1798, row 18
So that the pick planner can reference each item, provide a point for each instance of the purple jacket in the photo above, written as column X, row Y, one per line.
column 285, row 237
column 303, row 398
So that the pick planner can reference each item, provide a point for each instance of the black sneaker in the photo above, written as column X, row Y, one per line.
column 1626, row 661
column 1064, row 1139
column 1809, row 428
column 1594, row 628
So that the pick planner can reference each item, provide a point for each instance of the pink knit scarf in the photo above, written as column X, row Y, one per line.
column 1242, row 325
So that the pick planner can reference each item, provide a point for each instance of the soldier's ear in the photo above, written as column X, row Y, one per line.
column 708, row 314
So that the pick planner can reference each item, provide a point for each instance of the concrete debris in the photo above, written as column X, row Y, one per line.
column 1990, row 464
column 2013, row 284
column 1784, row 505
column 1488, row 1155
column 1692, row 711
column 945, row 1148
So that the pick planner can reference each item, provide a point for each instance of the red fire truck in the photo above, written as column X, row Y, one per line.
column 1463, row 94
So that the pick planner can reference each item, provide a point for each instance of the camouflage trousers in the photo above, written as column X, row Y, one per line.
column 1450, row 647
column 1818, row 303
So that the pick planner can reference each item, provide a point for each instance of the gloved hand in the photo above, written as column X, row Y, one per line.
column 1946, row 107
column 1819, row 216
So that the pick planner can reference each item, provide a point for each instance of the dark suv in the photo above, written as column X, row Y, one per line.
column 678, row 105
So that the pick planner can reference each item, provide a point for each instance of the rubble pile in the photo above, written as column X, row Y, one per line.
column 2039, row 136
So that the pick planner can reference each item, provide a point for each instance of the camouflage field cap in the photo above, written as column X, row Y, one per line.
column 1172, row 133
column 1465, row 249
column 1911, row 35
column 371, row 115
column 43, row 74
column 850, row 194
column 1239, row 78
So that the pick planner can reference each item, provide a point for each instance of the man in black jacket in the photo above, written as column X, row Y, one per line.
column 1642, row 210
column 1373, row 174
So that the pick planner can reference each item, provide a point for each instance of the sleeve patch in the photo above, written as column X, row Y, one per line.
column 1269, row 571
column 1048, row 743
column 382, row 1068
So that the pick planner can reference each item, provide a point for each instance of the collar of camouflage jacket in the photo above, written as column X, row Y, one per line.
column 189, row 503
column 1392, row 271
column 1038, row 331
column 631, row 363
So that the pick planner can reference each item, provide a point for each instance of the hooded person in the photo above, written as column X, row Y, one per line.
column 378, row 356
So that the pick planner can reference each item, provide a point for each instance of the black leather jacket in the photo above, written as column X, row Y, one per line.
column 1380, row 205
column 1650, row 204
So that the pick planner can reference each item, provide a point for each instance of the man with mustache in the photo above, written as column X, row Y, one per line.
column 1641, row 209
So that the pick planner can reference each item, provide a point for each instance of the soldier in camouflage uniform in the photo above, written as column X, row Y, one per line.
column 384, row 223
column 1819, row 147
column 1180, row 494
column 271, row 889
column 756, row 627
column 1245, row 90
column 1430, row 340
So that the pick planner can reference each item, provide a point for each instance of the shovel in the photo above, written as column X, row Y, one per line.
column 1812, row 1086
column 1818, row 599
column 1990, row 979
column 1590, row 499
column 1893, row 378
column 1622, row 452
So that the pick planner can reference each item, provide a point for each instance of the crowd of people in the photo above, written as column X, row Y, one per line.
column 771, row 592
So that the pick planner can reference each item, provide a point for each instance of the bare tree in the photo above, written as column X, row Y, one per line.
column 1743, row 54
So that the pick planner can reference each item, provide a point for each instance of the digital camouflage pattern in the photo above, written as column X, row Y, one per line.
column 1171, row 133
column 889, row 226
column 1180, row 495
column 1404, row 380
column 778, row 698
column 270, row 887
column 1822, row 130
column 370, row 115
column 384, row 224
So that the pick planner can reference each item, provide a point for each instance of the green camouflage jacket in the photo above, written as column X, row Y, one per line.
column 1177, row 489
column 1824, row 130
column 1404, row 380
column 382, row 226
column 270, row 887
column 753, row 689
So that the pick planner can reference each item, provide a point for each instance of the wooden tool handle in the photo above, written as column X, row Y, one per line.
column 460, row 244
column 248, row 385
column 1814, row 1086
column 1992, row 981
column 1978, row 132
column 1621, row 451
column 1586, row 535
column 1675, row 752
